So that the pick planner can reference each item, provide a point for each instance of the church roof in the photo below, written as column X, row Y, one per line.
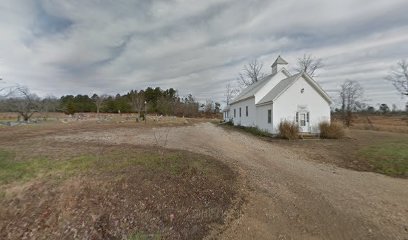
column 279, row 88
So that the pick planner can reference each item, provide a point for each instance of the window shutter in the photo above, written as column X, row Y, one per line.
column 307, row 117
column 297, row 117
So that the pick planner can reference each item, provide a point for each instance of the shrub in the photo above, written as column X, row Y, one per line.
column 288, row 130
column 331, row 130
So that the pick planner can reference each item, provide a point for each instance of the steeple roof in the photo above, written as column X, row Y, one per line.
column 279, row 60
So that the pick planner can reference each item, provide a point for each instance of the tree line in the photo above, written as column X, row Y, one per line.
column 149, row 100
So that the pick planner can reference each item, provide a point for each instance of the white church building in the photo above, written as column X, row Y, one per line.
column 280, row 96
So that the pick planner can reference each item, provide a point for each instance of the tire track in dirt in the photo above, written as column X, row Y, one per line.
column 289, row 196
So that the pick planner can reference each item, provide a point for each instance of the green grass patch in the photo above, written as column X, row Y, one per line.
column 252, row 130
column 13, row 170
column 256, row 131
column 390, row 158
column 172, row 162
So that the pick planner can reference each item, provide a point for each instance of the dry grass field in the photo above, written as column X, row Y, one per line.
column 389, row 123
column 361, row 150
column 85, row 190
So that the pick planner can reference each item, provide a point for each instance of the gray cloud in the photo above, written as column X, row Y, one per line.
column 61, row 47
column 46, row 23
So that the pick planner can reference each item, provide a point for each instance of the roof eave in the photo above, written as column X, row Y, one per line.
column 264, row 103
column 318, row 88
column 240, row 100
column 286, row 72
column 283, row 70
column 286, row 88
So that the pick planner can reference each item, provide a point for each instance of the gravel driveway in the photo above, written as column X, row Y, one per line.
column 289, row 197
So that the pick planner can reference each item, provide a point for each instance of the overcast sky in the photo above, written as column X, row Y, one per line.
column 74, row 46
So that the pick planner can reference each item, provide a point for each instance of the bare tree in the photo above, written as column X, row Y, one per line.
column 137, row 101
column 1, row 89
column 190, row 106
column 251, row 73
column 351, row 94
column 399, row 77
column 309, row 64
column 230, row 93
column 24, row 102
column 5, row 91
column 99, row 101
column 48, row 104
column 161, row 138
column 208, row 106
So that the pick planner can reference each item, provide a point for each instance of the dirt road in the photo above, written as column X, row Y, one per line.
column 289, row 196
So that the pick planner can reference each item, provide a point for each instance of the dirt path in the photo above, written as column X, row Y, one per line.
column 290, row 197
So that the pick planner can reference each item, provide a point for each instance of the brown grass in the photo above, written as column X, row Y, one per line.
column 331, row 130
column 389, row 123
column 55, row 190
column 361, row 150
column 288, row 130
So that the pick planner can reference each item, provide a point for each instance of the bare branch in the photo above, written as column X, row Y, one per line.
column 351, row 94
column 309, row 64
column 251, row 73
column 99, row 101
column 5, row 91
column 230, row 93
column 398, row 76
column 24, row 102
column 137, row 101
column 161, row 139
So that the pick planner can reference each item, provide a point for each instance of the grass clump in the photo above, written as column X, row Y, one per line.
column 252, row 130
column 388, row 158
column 255, row 131
column 174, row 163
column 331, row 130
column 13, row 170
column 288, row 130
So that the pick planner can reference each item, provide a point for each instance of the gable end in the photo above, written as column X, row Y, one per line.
column 282, row 86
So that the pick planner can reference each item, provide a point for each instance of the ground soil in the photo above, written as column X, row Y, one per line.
column 342, row 152
column 112, row 203
column 289, row 194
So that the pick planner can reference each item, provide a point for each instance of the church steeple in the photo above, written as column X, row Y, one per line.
column 278, row 64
